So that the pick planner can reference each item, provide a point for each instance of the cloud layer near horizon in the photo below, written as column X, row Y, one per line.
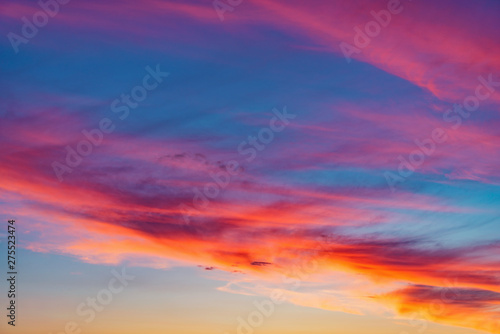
column 317, row 193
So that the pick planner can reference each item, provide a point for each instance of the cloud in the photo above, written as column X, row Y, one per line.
column 470, row 308
column 122, row 203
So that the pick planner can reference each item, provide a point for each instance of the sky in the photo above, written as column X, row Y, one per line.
column 251, row 166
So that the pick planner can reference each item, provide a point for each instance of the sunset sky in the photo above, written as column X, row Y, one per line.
column 342, row 155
